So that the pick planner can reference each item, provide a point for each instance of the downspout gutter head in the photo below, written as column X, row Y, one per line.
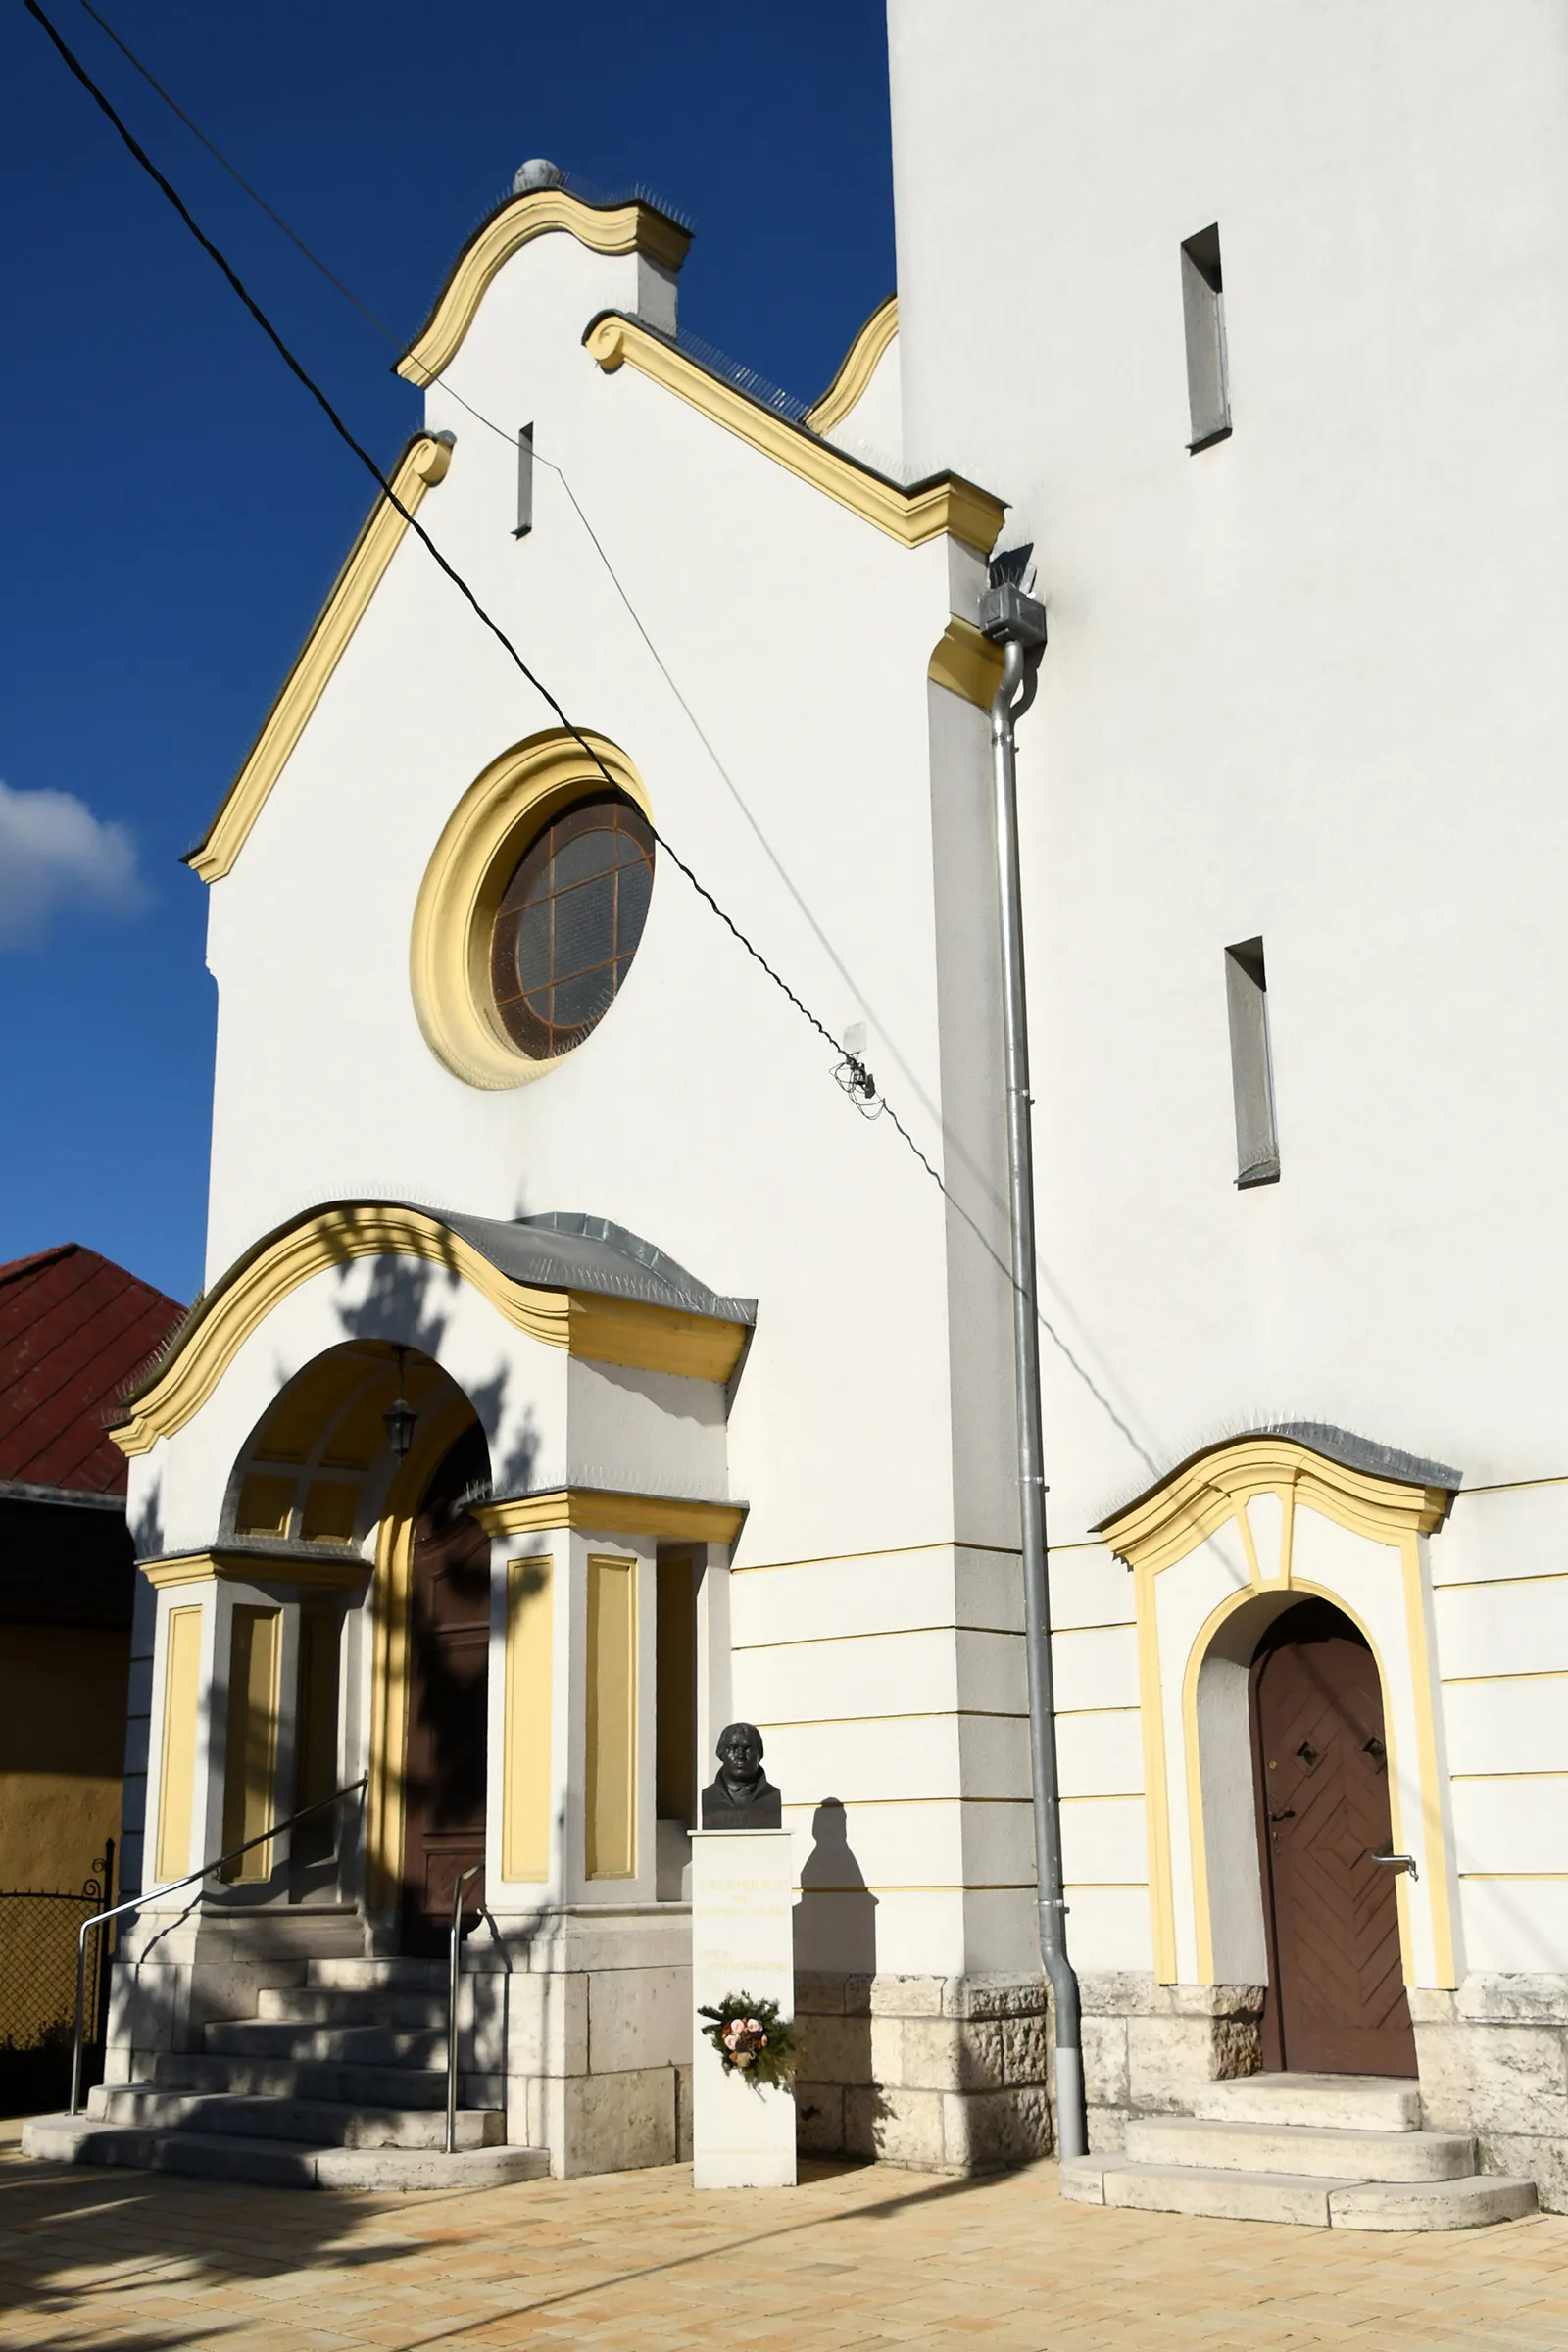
column 1018, row 623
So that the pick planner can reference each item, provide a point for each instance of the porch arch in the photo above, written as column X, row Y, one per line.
column 1231, row 1538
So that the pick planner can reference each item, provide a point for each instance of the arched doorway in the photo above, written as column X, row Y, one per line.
column 449, row 1649
column 1336, row 2000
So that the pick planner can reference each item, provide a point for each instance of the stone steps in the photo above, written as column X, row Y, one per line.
column 1340, row 2102
column 276, row 2163
column 324, row 2123
column 338, row 2084
column 1321, row 2151
column 351, row 2045
column 301, row 2079
column 1316, row 2151
column 1308, row 2200
column 319, row 2006
column 377, row 1975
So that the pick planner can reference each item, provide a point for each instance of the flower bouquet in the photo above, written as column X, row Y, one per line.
column 754, row 2041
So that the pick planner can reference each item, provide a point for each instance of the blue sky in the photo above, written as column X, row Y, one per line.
column 175, row 506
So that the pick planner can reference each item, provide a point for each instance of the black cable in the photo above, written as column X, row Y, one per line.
column 862, row 1086
column 297, row 369
column 540, row 459
column 278, row 219
column 217, row 155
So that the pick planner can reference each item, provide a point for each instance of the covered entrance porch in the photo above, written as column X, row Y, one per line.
column 488, row 1628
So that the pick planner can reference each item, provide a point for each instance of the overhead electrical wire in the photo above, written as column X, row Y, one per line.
column 850, row 1068
column 297, row 369
column 257, row 198
column 450, row 391
column 217, row 153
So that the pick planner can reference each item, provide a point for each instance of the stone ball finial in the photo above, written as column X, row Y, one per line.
column 537, row 172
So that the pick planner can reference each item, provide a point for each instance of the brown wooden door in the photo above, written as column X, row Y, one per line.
column 1336, row 2001
column 448, row 1651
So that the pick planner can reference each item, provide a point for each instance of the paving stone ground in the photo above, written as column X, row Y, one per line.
column 637, row 2262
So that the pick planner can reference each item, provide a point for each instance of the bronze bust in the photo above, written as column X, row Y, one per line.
column 741, row 1796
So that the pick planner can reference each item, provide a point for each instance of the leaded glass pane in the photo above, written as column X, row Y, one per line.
column 584, row 926
column 570, row 923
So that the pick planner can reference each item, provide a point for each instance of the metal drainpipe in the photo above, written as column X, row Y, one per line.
column 1018, row 622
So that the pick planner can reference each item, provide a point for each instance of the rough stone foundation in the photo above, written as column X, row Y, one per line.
column 1493, row 2060
column 1149, row 2048
column 942, row 2073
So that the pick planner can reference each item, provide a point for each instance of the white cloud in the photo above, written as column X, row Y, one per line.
column 56, row 854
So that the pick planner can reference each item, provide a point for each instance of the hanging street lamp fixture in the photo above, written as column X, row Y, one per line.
column 400, row 1418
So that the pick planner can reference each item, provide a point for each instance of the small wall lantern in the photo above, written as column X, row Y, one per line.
column 399, row 1417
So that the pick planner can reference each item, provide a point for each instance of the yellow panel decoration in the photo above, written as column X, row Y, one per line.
column 176, row 1781
column 264, row 1507
column 330, row 1504
column 612, row 1823
column 250, row 1759
column 525, row 1787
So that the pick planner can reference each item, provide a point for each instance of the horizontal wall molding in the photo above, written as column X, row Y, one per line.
column 883, row 1552
column 1517, row 1673
column 929, row 1886
column 805, row 1723
column 1493, row 1584
column 348, row 1574
column 887, row 1633
column 862, row 1804
column 601, row 1511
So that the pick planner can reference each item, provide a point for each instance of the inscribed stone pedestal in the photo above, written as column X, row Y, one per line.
column 743, row 1897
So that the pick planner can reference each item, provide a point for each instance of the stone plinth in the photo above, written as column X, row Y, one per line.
column 743, row 1895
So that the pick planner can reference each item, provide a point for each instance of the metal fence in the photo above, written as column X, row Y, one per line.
column 38, row 1934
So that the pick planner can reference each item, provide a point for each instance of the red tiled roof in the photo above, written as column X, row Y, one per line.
column 73, row 1330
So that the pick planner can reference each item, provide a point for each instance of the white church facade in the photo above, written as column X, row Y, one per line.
column 700, row 1386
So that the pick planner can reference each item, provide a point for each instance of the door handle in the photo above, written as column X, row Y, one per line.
column 1396, row 1862
column 1288, row 1814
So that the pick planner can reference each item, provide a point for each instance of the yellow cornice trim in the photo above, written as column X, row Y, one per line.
column 615, row 1331
column 966, row 663
column 598, row 1511
column 466, row 880
column 652, row 1339
column 1161, row 1528
column 256, row 1568
column 422, row 466
column 947, row 505
column 855, row 370
column 613, row 228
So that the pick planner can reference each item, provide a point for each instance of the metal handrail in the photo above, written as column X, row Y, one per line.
column 138, row 1901
column 457, row 1884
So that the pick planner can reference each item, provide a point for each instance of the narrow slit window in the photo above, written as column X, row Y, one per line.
column 1257, row 1146
column 524, row 483
column 1208, row 387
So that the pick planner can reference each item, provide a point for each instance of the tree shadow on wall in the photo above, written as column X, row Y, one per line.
column 406, row 1296
column 837, row 2101
column 408, row 1305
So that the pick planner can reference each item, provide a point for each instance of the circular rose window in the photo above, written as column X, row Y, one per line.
column 567, row 928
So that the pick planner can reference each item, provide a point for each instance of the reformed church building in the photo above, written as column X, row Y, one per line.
column 583, row 1364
